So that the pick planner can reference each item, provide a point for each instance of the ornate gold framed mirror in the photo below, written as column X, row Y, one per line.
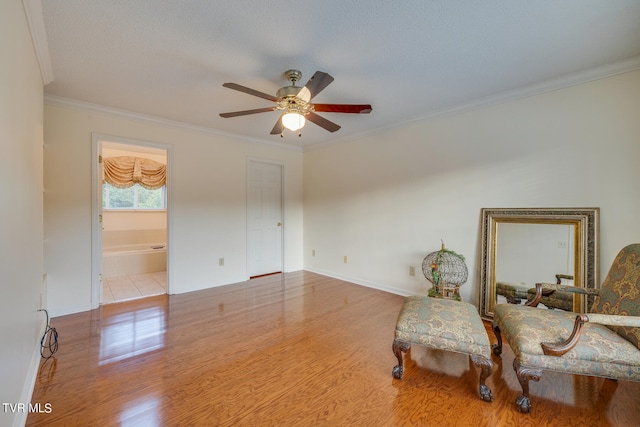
column 522, row 247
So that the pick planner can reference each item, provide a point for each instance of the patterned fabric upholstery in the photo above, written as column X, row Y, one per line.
column 600, row 351
column 443, row 324
column 620, row 292
column 604, row 351
column 557, row 299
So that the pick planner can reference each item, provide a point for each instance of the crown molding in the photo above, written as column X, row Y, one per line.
column 101, row 109
column 597, row 73
column 563, row 82
column 35, row 19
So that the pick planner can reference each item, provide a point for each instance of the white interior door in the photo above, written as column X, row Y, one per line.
column 96, row 223
column 264, row 218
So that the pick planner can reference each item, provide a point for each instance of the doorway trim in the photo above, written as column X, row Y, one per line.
column 282, row 166
column 96, row 207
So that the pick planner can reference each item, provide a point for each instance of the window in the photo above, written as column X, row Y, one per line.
column 133, row 198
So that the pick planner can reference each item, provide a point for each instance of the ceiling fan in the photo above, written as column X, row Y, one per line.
column 295, row 103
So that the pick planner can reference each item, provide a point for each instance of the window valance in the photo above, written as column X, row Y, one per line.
column 125, row 172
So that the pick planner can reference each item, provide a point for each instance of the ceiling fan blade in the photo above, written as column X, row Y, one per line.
column 278, row 128
column 318, row 82
column 322, row 122
column 247, row 112
column 343, row 108
column 250, row 91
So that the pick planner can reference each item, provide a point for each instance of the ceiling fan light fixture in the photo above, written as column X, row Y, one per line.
column 293, row 121
column 295, row 102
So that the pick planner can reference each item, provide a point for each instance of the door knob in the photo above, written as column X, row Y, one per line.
column 279, row 224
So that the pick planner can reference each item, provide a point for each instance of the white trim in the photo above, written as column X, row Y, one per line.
column 96, row 226
column 366, row 283
column 70, row 310
column 597, row 73
column 35, row 19
column 72, row 103
column 562, row 82
column 20, row 418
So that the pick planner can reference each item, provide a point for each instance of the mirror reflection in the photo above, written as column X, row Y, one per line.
column 522, row 247
column 548, row 256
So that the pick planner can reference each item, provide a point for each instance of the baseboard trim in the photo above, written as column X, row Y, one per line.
column 361, row 282
column 54, row 312
column 20, row 418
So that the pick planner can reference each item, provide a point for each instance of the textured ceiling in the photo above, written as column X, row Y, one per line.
column 410, row 59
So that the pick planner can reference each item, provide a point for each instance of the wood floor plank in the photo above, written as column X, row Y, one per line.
column 291, row 349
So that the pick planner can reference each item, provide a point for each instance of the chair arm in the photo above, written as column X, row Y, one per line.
column 614, row 320
column 546, row 289
column 559, row 277
column 558, row 349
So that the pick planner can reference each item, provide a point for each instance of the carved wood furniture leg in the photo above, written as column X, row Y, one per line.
column 447, row 325
column 524, row 375
column 497, row 348
column 486, row 367
column 399, row 348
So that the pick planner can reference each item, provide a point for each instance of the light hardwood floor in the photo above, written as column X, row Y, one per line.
column 298, row 349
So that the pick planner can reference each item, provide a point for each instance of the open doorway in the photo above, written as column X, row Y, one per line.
column 132, row 199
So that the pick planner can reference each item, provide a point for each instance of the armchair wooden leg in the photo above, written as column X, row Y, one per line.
column 524, row 375
column 497, row 348
column 399, row 347
column 486, row 367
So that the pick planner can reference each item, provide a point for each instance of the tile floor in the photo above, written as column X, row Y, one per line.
column 116, row 289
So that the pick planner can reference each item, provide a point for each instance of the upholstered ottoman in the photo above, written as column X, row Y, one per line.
column 443, row 324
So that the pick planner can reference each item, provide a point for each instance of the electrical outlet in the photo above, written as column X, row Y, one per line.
column 345, row 259
column 412, row 270
column 562, row 244
column 221, row 262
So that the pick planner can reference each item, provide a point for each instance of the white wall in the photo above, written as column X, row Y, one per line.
column 207, row 212
column 133, row 220
column 391, row 197
column 384, row 201
column 21, row 281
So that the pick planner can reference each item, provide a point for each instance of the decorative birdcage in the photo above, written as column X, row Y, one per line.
column 447, row 271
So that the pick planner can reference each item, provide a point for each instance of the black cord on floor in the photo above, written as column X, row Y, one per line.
column 49, row 340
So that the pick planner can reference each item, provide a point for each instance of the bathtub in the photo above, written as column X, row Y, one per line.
column 127, row 260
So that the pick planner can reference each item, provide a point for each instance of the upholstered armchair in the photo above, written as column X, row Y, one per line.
column 601, row 343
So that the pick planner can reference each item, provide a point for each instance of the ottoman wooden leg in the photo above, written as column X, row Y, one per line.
column 524, row 375
column 399, row 347
column 497, row 348
column 486, row 367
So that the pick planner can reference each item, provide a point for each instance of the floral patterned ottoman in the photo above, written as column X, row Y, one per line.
column 443, row 324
